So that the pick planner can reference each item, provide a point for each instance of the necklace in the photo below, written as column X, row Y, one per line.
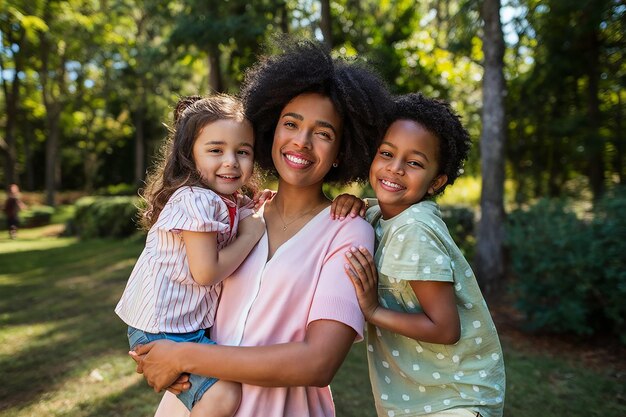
column 286, row 224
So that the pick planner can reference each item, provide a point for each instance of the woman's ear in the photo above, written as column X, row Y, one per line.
column 437, row 183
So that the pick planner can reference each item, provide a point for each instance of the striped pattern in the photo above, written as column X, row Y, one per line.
column 161, row 295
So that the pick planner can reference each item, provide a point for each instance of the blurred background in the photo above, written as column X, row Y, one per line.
column 88, row 88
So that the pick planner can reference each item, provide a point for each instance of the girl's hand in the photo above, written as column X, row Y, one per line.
column 252, row 227
column 180, row 385
column 156, row 362
column 347, row 204
column 261, row 197
column 362, row 271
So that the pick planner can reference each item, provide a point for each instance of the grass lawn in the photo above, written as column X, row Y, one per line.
column 63, row 350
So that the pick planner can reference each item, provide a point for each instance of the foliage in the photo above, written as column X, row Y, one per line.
column 569, row 272
column 564, row 117
column 118, row 189
column 104, row 217
column 37, row 216
column 460, row 222
column 607, row 253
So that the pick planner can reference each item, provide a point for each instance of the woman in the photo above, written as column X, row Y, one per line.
column 288, row 317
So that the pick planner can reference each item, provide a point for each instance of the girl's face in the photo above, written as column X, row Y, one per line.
column 223, row 154
column 306, row 140
column 405, row 167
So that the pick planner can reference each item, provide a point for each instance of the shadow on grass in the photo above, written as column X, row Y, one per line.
column 136, row 400
column 70, row 292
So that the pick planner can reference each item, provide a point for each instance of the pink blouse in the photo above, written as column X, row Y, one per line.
column 270, row 302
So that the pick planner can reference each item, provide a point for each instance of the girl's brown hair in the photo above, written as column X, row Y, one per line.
column 176, row 167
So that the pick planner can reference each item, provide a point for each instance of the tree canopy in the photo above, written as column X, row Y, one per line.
column 88, row 84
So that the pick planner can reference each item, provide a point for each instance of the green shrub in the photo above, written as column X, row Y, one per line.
column 118, row 189
column 104, row 217
column 608, row 253
column 460, row 222
column 36, row 216
column 570, row 273
column 549, row 249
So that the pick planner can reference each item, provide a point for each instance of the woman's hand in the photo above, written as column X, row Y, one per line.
column 347, row 204
column 157, row 362
column 362, row 272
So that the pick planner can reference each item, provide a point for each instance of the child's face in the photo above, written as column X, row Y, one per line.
column 405, row 167
column 223, row 154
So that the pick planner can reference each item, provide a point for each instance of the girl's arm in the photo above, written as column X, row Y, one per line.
column 207, row 265
column 438, row 323
column 311, row 362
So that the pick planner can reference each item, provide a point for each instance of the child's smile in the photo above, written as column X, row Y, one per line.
column 223, row 154
column 405, row 168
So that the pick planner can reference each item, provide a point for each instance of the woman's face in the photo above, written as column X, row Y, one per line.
column 306, row 139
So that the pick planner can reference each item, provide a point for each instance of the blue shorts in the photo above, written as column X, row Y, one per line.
column 199, row 384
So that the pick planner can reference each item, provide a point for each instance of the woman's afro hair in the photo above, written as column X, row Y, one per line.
column 438, row 118
column 303, row 66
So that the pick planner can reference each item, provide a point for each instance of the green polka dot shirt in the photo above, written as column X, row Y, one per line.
column 412, row 378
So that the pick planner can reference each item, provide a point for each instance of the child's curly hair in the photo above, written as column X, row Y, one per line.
column 303, row 66
column 176, row 167
column 439, row 119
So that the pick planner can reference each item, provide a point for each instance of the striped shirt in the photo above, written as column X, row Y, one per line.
column 161, row 295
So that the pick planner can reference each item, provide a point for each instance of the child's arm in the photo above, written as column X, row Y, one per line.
column 439, row 322
column 345, row 204
column 207, row 265
column 261, row 197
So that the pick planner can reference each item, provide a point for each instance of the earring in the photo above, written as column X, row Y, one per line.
column 335, row 164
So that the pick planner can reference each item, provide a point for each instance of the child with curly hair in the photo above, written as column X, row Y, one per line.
column 432, row 346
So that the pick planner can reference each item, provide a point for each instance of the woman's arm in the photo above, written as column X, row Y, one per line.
column 439, row 322
column 311, row 362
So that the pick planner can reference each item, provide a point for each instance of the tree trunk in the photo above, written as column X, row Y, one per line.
column 11, row 96
column 283, row 15
column 52, row 148
column 9, row 157
column 595, row 143
column 28, row 157
column 215, row 76
column 325, row 24
column 490, row 261
column 140, row 146
column 618, row 141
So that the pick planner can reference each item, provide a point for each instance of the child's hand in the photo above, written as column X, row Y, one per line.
column 261, row 197
column 180, row 385
column 345, row 204
column 252, row 227
column 362, row 272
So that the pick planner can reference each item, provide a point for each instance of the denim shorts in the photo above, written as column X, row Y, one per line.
column 199, row 384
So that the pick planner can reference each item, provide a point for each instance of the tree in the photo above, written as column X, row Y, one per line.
column 490, row 260
column 326, row 23
column 213, row 27
column 17, row 28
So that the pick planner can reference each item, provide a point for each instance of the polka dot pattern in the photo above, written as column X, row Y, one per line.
column 411, row 377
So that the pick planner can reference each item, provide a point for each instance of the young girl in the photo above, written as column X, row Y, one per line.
column 433, row 349
column 200, row 230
